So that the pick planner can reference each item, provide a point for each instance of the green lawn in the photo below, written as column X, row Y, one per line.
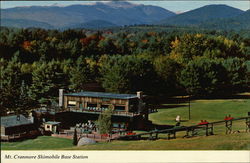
column 40, row 143
column 210, row 110
column 239, row 141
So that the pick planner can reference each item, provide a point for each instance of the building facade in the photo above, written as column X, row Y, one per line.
column 16, row 127
column 128, row 109
column 123, row 104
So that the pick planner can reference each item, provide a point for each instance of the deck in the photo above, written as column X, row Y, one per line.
column 18, row 136
column 99, row 111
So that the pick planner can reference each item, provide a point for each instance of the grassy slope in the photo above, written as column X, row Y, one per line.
column 230, row 142
column 40, row 143
column 211, row 110
column 239, row 141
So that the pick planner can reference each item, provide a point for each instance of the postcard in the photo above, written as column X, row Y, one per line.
column 125, row 81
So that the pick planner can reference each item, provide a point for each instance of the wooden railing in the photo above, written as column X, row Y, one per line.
column 99, row 111
column 208, row 127
column 19, row 135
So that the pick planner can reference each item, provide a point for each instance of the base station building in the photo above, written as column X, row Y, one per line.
column 129, row 110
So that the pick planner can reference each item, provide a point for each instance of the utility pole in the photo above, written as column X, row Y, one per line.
column 189, row 108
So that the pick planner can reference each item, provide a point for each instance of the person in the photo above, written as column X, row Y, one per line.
column 178, row 118
column 203, row 122
column 227, row 118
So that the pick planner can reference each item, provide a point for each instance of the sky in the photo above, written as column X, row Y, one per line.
column 172, row 5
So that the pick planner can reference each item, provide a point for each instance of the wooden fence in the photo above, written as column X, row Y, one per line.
column 190, row 130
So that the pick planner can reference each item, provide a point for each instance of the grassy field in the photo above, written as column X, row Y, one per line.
column 210, row 110
column 239, row 141
column 218, row 142
column 40, row 143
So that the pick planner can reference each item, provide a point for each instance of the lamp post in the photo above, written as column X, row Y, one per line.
column 189, row 103
column 189, row 108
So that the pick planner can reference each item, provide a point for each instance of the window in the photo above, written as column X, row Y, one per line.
column 120, row 108
column 105, row 106
column 92, row 105
column 71, row 103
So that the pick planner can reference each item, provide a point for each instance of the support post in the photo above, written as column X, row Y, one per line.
column 229, row 125
column 150, row 137
column 212, row 129
column 189, row 107
column 207, row 129
column 247, row 124
column 193, row 132
column 187, row 133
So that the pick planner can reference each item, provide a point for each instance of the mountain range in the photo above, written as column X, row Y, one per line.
column 241, row 21
column 203, row 14
column 117, row 13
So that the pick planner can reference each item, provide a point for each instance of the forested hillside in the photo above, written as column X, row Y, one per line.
column 35, row 63
column 203, row 14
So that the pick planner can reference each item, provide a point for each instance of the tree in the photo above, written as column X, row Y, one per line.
column 193, row 46
column 104, row 123
column 127, row 74
column 168, row 71
column 203, row 77
column 188, row 47
column 10, row 83
column 25, row 101
column 107, row 46
column 80, row 74
column 47, row 79
column 236, row 74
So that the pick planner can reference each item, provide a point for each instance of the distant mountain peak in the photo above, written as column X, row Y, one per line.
column 217, row 6
column 203, row 14
column 121, row 4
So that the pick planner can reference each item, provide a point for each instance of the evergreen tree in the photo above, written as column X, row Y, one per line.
column 168, row 71
column 25, row 102
column 47, row 79
column 236, row 74
column 80, row 74
column 104, row 123
column 127, row 74
column 10, row 83
column 203, row 77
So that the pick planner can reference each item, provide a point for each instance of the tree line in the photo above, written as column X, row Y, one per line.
column 35, row 63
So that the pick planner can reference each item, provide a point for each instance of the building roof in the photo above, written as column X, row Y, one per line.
column 103, row 95
column 14, row 120
column 52, row 123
